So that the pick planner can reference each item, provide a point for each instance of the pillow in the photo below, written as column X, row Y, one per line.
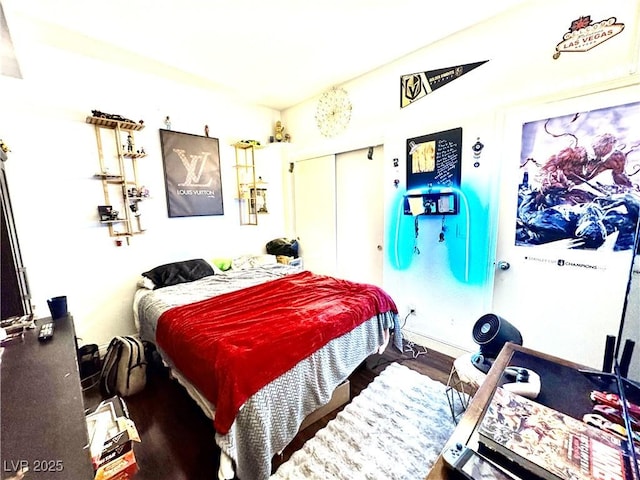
column 216, row 270
column 179, row 272
column 144, row 282
column 246, row 262
column 222, row 263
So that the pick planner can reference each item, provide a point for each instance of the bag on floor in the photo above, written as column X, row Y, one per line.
column 283, row 246
column 124, row 369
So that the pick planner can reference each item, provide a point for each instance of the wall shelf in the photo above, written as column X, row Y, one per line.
column 246, row 182
column 121, row 159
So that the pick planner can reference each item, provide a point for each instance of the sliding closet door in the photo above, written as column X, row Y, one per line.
column 360, row 215
column 315, row 213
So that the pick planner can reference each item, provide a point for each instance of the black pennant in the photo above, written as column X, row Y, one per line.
column 414, row 86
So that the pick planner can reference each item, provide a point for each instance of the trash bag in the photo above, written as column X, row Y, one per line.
column 283, row 246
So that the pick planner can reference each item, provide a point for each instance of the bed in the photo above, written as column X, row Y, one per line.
column 260, row 347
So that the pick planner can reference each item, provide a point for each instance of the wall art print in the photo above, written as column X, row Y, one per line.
column 192, row 174
column 580, row 180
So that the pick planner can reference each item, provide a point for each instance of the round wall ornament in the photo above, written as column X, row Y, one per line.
column 333, row 112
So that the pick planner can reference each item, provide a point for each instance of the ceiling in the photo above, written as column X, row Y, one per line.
column 275, row 53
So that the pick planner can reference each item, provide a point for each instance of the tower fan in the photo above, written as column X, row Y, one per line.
column 491, row 332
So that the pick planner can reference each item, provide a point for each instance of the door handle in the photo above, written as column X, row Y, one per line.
column 502, row 265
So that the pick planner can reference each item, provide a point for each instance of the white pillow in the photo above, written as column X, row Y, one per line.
column 245, row 262
column 144, row 282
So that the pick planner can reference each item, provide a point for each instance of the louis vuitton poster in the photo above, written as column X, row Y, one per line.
column 192, row 174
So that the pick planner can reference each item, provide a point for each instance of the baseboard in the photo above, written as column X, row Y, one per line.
column 341, row 395
column 445, row 348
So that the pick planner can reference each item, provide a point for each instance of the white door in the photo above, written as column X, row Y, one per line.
column 565, row 301
column 360, row 215
column 315, row 213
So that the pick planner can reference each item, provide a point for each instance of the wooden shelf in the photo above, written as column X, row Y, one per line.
column 118, row 220
column 109, row 123
column 246, row 182
column 244, row 145
column 107, row 176
column 116, row 186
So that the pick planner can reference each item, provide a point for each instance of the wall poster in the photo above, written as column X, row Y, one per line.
column 192, row 174
column 580, row 181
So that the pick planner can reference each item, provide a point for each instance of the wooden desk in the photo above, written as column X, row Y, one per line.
column 42, row 410
column 554, row 372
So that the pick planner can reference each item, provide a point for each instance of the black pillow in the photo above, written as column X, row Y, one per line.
column 179, row 272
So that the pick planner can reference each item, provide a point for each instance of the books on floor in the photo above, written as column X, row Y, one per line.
column 548, row 443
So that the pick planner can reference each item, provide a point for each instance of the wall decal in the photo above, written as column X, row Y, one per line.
column 192, row 174
column 414, row 86
column 584, row 34
column 580, row 181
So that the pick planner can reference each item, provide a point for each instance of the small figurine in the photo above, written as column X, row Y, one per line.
column 279, row 133
column 130, row 143
column 167, row 122
column 206, row 130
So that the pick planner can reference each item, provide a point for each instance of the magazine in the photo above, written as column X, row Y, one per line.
column 550, row 444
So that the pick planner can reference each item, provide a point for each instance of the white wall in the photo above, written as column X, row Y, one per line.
column 54, row 157
column 520, row 71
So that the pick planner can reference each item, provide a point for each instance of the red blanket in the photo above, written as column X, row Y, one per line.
column 232, row 345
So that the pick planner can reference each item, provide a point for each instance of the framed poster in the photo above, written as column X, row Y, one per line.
column 192, row 174
column 578, row 186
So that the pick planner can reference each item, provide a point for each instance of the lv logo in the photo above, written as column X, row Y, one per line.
column 191, row 164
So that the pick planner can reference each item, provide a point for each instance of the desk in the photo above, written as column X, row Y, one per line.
column 557, row 375
column 42, row 410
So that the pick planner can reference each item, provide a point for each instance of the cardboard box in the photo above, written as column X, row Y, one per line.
column 111, row 437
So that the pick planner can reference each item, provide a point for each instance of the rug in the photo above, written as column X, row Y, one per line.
column 394, row 429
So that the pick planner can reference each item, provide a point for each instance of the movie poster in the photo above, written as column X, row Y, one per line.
column 580, row 180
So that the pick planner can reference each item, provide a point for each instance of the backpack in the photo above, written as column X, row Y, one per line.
column 283, row 246
column 124, row 370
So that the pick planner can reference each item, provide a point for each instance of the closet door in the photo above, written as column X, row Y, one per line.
column 315, row 213
column 360, row 215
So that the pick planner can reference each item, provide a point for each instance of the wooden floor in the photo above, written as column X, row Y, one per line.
column 178, row 439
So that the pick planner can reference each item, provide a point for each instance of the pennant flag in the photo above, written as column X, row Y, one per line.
column 417, row 85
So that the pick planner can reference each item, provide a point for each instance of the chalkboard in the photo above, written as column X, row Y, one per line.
column 434, row 160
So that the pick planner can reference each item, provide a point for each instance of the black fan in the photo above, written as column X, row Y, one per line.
column 491, row 332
